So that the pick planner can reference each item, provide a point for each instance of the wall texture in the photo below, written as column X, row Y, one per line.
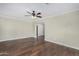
column 15, row 29
column 63, row 29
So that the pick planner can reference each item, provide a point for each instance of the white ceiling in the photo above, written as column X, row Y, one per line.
column 17, row 10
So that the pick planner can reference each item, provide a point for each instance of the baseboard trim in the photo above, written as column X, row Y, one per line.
column 15, row 38
column 59, row 43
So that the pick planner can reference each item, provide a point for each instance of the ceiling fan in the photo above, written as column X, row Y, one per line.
column 34, row 14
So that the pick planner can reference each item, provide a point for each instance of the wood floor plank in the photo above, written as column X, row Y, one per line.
column 33, row 47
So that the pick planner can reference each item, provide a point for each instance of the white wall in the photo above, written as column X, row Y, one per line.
column 63, row 29
column 14, row 29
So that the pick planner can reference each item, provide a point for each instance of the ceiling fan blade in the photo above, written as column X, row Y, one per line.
column 28, row 12
column 39, row 13
column 39, row 16
column 27, row 15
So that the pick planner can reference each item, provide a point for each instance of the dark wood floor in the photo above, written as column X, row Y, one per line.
column 32, row 47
